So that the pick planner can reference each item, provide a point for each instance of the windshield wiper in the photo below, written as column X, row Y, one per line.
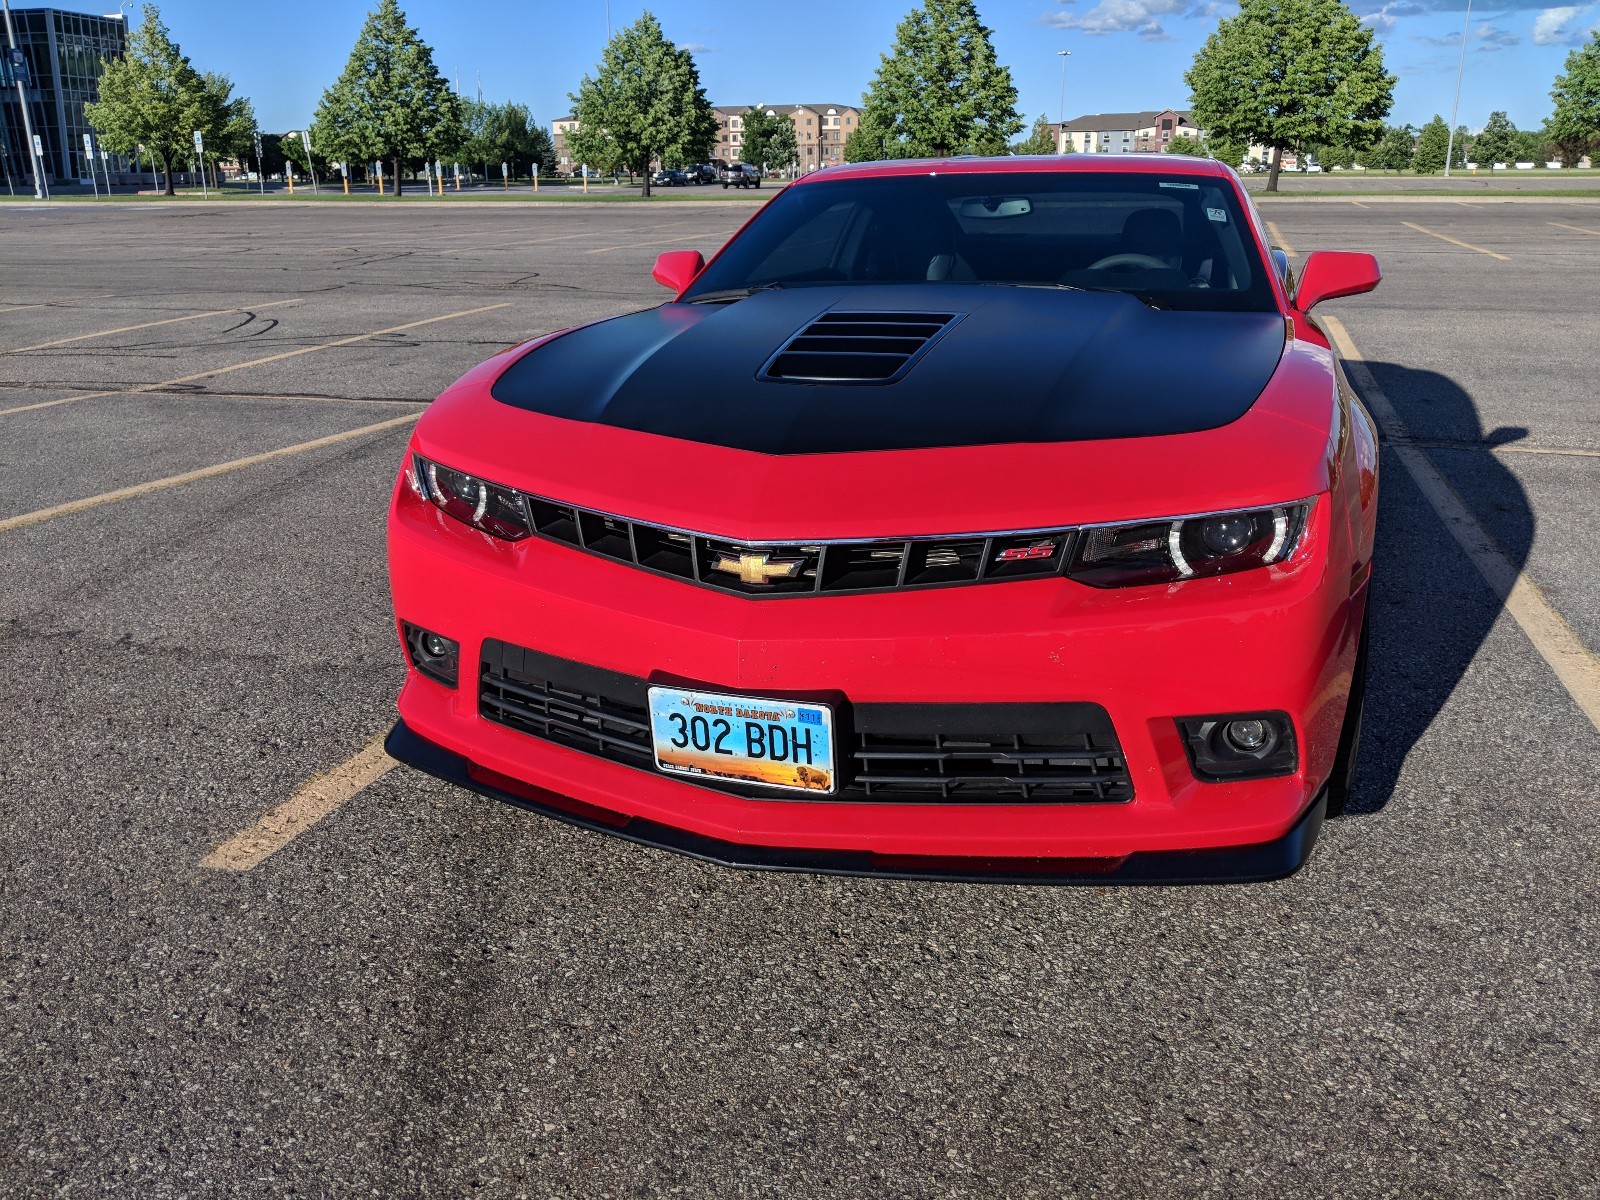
column 723, row 295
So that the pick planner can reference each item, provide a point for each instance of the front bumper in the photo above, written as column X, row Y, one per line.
column 1276, row 639
column 1238, row 864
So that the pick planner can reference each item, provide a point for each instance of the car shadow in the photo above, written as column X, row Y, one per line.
column 1431, row 610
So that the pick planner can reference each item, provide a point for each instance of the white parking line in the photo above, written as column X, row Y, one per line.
column 254, row 362
column 319, row 798
column 171, row 481
column 1279, row 240
column 84, row 337
column 1574, row 665
column 1445, row 237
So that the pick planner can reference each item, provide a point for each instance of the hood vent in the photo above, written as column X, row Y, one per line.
column 858, row 347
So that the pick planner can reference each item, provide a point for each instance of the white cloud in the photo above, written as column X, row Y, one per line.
column 1553, row 26
column 697, row 48
column 1383, row 22
column 1491, row 38
column 1122, row 16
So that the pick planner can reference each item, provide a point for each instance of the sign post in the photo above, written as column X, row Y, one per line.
column 88, row 154
column 38, row 168
column 377, row 169
column 457, row 168
column 505, row 176
column 105, row 165
column 200, row 153
column 535, row 179
column 344, row 173
column 261, row 169
column 311, row 165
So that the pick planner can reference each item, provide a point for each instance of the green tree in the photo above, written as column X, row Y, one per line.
column 1534, row 145
column 1496, row 142
column 1041, row 138
column 1574, row 126
column 503, row 133
column 1431, row 145
column 1393, row 150
column 1226, row 150
column 390, row 103
column 1183, row 144
column 768, row 139
column 152, row 97
column 1286, row 72
column 227, row 121
column 868, row 142
column 643, row 103
column 940, row 90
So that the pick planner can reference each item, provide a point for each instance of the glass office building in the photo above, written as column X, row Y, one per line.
column 63, row 52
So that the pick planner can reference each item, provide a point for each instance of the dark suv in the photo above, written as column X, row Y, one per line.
column 702, row 173
column 741, row 175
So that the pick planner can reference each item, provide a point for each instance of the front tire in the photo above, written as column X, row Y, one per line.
column 1344, row 766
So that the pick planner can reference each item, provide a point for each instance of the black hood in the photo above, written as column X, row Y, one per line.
column 1009, row 364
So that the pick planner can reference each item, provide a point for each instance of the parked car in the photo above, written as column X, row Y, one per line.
column 671, row 177
column 702, row 173
column 740, row 175
column 937, row 570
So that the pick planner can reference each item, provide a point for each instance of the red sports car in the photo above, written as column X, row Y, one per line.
column 981, row 518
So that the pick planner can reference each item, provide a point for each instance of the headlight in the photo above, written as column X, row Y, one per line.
column 1170, row 551
column 500, row 512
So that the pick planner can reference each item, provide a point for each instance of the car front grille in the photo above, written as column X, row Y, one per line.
column 766, row 570
column 907, row 753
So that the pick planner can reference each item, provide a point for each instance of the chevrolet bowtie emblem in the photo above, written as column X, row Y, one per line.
column 757, row 568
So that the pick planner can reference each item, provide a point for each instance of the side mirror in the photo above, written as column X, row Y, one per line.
column 676, row 269
column 1329, row 274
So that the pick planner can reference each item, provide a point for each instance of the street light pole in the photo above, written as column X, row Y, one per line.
column 1450, row 142
column 22, row 99
column 1061, row 108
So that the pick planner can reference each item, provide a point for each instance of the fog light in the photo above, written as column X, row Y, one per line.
column 1240, row 745
column 433, row 654
column 1248, row 736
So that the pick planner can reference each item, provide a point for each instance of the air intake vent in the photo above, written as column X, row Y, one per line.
column 858, row 347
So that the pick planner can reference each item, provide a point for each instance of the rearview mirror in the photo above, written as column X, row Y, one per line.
column 982, row 208
column 1329, row 274
column 676, row 269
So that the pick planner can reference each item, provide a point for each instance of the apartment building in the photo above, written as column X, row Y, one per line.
column 820, row 131
column 1125, row 133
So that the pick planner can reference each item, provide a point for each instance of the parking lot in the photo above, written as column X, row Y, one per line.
column 202, row 411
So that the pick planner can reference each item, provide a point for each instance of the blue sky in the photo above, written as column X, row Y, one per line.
column 1125, row 54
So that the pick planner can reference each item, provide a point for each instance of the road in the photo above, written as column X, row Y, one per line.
column 428, row 993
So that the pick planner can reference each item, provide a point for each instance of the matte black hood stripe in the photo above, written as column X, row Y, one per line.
column 1023, row 365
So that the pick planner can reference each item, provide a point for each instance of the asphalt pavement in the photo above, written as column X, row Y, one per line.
column 429, row 993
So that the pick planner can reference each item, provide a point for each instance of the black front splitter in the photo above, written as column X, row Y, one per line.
column 1236, row 864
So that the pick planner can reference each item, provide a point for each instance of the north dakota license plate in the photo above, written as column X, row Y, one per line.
column 776, row 743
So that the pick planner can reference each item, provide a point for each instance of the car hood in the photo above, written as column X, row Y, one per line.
column 1279, row 450
column 1010, row 365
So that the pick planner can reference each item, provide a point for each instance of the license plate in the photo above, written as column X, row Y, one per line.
column 775, row 743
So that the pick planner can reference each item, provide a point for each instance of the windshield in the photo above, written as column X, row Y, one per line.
column 1177, row 242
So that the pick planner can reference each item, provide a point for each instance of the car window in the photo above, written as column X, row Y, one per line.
column 1180, row 242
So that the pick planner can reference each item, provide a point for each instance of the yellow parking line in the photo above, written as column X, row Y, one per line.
column 11, row 308
column 1280, row 241
column 1445, row 237
column 84, row 337
column 688, row 237
column 1575, row 666
column 1576, row 228
column 254, row 362
column 171, row 481
column 322, row 796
